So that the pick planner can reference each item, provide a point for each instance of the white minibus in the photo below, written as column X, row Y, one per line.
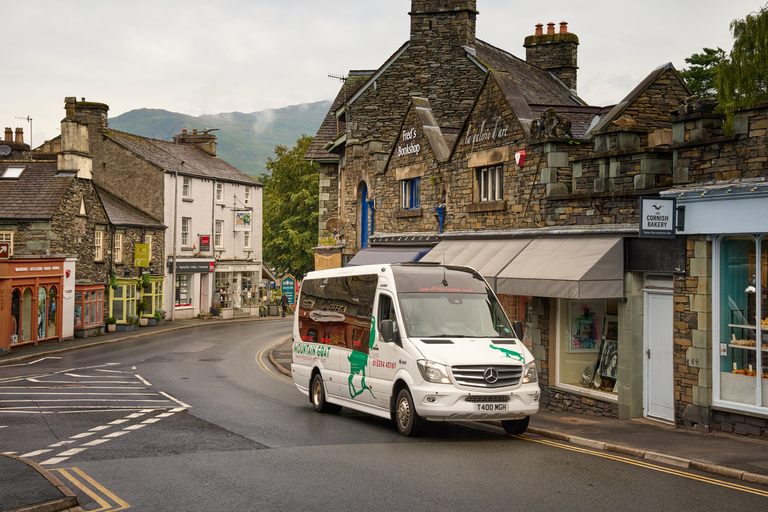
column 411, row 342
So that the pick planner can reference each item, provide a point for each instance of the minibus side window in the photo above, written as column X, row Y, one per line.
column 386, row 310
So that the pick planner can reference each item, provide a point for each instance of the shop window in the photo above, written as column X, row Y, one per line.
column 183, row 291
column 98, row 245
column 587, row 354
column 118, row 247
column 250, row 289
column 219, row 192
column 15, row 316
column 89, row 306
column 410, row 192
column 7, row 236
column 743, row 304
column 153, row 295
column 53, row 308
column 26, row 315
column 490, row 183
column 218, row 239
column 42, row 313
column 186, row 222
column 123, row 303
column 224, row 286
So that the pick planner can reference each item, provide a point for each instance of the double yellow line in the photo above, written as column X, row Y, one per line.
column 268, row 368
column 648, row 465
column 93, row 489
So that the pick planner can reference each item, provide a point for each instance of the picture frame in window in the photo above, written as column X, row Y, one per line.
column 609, row 360
column 585, row 319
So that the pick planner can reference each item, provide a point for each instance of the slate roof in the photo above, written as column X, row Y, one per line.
column 35, row 195
column 537, row 85
column 121, row 213
column 186, row 159
column 327, row 131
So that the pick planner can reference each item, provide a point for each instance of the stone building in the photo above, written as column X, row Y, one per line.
column 211, row 259
column 502, row 167
column 58, row 233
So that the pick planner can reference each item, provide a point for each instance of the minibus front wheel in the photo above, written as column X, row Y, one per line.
column 409, row 423
column 516, row 427
column 317, row 395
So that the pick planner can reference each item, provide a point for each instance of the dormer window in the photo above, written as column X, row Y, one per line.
column 13, row 171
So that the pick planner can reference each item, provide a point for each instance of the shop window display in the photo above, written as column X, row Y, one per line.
column 587, row 351
column 743, row 315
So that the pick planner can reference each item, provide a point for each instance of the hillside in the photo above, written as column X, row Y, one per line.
column 244, row 140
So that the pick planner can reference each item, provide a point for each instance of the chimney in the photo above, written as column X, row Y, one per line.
column 74, row 157
column 19, row 136
column 8, row 135
column 440, row 21
column 91, row 113
column 204, row 140
column 556, row 53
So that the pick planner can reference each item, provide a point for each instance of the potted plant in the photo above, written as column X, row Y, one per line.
column 111, row 323
column 141, row 307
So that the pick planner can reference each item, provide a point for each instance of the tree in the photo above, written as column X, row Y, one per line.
column 742, row 77
column 291, row 198
column 702, row 75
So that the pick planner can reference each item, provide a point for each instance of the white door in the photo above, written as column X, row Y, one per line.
column 659, row 397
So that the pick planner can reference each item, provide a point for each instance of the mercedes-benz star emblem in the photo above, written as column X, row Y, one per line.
column 491, row 375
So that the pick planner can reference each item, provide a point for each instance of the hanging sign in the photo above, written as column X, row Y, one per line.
column 141, row 255
column 657, row 217
column 205, row 243
column 243, row 221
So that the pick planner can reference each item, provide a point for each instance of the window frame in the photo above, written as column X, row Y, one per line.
column 219, row 192
column 7, row 236
column 98, row 244
column 410, row 194
column 118, row 247
column 186, row 186
column 186, row 223
column 218, row 234
column 490, row 183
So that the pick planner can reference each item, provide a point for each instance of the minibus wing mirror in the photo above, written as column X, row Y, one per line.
column 388, row 332
column 517, row 328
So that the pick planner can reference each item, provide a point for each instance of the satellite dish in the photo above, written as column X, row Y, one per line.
column 5, row 150
column 334, row 225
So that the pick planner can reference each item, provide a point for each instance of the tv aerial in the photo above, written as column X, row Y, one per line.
column 29, row 120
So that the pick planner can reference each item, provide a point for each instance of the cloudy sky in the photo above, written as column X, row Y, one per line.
column 207, row 57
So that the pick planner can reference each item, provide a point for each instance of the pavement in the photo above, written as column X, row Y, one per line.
column 26, row 486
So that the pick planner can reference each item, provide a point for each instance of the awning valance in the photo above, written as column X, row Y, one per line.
column 377, row 255
column 488, row 257
column 566, row 267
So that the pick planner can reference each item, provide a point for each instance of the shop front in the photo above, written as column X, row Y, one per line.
column 192, row 288
column 729, row 225
column 30, row 301
column 236, row 288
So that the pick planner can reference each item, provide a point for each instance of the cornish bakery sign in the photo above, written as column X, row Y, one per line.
column 657, row 217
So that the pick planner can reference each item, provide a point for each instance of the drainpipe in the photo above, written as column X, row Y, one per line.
column 175, row 227
column 440, row 214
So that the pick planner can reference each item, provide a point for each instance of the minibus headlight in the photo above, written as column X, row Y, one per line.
column 529, row 373
column 433, row 372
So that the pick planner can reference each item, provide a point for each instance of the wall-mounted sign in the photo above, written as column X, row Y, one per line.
column 243, row 221
column 205, row 243
column 520, row 158
column 190, row 267
column 5, row 250
column 141, row 255
column 487, row 131
column 409, row 147
column 657, row 217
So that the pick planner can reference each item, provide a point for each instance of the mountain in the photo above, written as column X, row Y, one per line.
column 244, row 140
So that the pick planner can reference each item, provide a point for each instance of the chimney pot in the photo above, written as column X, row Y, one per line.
column 8, row 135
column 20, row 135
column 194, row 130
column 183, row 130
column 539, row 30
column 563, row 27
column 550, row 28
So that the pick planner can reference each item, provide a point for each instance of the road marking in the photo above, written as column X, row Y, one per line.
column 96, row 442
column 107, row 500
column 647, row 465
column 182, row 404
column 268, row 369
column 142, row 380
column 36, row 453
column 84, row 434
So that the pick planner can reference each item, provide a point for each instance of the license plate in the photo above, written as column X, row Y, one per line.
column 491, row 407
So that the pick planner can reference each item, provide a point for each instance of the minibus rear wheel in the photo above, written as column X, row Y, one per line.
column 409, row 423
column 516, row 427
column 317, row 394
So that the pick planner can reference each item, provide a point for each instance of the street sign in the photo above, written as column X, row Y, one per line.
column 5, row 250
column 288, row 286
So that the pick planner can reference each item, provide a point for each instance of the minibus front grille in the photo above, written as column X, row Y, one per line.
column 487, row 398
column 480, row 376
